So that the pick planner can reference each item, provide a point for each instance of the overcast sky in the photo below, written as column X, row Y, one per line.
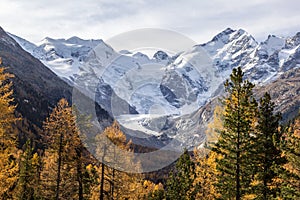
column 198, row 19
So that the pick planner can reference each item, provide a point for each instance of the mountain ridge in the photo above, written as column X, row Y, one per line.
column 186, row 85
column 36, row 87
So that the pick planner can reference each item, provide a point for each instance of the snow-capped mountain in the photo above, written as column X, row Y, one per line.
column 62, row 56
column 165, row 94
column 230, row 48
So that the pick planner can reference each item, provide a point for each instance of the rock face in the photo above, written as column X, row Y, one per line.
column 285, row 92
column 172, row 97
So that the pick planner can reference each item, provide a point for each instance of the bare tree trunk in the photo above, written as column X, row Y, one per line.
column 59, row 166
column 102, row 182
column 79, row 175
column 238, row 186
column 113, row 184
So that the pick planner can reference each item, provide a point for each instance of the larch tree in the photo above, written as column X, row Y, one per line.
column 207, row 174
column 9, row 167
column 235, row 142
column 63, row 160
column 215, row 127
column 114, row 183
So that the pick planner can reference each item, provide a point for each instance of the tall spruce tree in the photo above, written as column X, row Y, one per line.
column 180, row 184
column 269, row 160
column 8, row 152
column 235, row 141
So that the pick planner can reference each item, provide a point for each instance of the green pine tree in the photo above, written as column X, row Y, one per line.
column 180, row 184
column 269, row 157
column 291, row 189
column 235, row 140
column 156, row 195
column 29, row 174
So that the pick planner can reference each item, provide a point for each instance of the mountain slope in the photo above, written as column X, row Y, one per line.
column 36, row 87
column 285, row 93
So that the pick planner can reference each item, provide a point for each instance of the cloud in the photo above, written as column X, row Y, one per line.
column 200, row 20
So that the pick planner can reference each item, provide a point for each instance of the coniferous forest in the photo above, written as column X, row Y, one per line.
column 249, row 153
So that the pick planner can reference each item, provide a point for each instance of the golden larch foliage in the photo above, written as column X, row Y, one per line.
column 8, row 152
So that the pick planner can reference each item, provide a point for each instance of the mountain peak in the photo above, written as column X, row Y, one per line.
column 71, row 40
column 47, row 40
column 4, row 37
column 294, row 41
column 1, row 29
column 74, row 38
column 223, row 34
column 161, row 55
column 140, row 55
column 228, row 31
column 271, row 36
column 241, row 31
column 273, row 39
column 229, row 35
column 78, row 40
